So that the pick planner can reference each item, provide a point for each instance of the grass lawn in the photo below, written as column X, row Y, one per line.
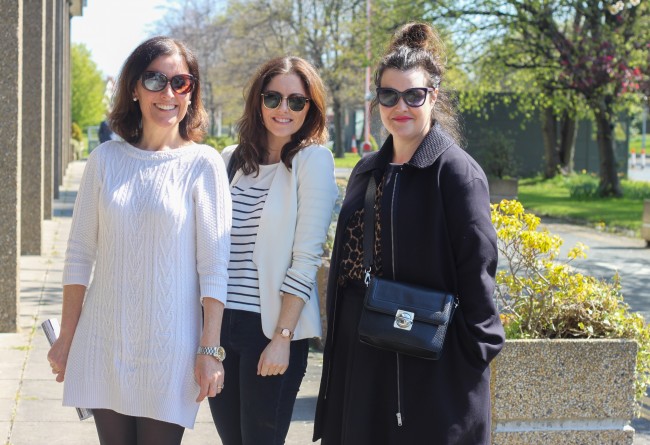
column 549, row 198
column 349, row 161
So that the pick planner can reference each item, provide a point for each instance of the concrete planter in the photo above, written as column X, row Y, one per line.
column 568, row 392
column 502, row 189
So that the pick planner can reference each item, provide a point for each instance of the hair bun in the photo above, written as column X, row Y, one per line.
column 415, row 35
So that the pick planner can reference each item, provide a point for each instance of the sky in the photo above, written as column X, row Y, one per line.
column 111, row 29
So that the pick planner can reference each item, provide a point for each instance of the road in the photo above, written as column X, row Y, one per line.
column 608, row 254
column 639, row 174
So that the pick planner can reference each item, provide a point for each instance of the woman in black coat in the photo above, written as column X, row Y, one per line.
column 433, row 228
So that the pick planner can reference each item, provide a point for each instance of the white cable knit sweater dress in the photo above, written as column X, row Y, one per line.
column 156, row 226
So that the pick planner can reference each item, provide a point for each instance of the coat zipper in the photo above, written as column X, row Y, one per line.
column 399, row 397
column 392, row 222
column 392, row 241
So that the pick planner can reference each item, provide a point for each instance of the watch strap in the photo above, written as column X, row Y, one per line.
column 215, row 351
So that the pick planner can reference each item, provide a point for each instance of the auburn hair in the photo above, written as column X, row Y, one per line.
column 252, row 150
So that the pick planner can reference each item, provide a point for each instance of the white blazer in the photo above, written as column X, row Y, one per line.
column 293, row 227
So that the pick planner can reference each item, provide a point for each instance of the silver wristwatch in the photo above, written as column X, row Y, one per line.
column 215, row 351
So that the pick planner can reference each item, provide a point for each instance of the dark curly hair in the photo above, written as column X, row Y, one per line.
column 125, row 117
column 418, row 45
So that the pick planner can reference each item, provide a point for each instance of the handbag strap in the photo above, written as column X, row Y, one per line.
column 369, row 232
column 369, row 227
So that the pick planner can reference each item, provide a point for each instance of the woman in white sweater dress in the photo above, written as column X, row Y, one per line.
column 153, row 218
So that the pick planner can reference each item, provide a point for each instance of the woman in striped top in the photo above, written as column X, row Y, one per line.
column 283, row 191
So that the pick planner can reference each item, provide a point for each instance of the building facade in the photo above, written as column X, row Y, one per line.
column 35, row 90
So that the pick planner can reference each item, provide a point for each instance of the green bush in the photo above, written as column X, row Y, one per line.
column 636, row 189
column 76, row 132
column 496, row 154
column 582, row 186
column 541, row 296
column 219, row 142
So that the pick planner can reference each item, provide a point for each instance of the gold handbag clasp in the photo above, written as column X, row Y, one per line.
column 404, row 320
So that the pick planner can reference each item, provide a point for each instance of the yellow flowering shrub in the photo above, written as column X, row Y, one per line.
column 541, row 296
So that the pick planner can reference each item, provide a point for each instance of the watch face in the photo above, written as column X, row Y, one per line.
column 285, row 333
column 221, row 353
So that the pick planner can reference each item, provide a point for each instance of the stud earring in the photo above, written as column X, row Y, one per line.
column 189, row 102
column 135, row 99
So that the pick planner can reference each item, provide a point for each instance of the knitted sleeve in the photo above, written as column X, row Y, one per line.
column 213, row 213
column 82, row 242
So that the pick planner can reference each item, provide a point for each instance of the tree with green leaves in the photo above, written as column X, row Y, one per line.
column 250, row 32
column 590, row 50
column 500, row 78
column 202, row 25
column 328, row 35
column 88, row 86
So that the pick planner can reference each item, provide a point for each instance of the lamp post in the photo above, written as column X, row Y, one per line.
column 365, row 147
column 643, row 122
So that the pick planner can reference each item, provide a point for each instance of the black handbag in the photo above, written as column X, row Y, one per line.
column 401, row 317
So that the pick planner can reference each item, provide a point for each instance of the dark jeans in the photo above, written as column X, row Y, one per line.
column 251, row 409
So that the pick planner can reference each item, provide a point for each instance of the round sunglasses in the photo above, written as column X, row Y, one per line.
column 155, row 81
column 413, row 97
column 295, row 102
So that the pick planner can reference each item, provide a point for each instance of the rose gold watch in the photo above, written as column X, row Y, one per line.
column 285, row 333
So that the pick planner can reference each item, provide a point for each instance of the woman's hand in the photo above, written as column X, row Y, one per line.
column 73, row 297
column 275, row 357
column 58, row 357
column 208, row 371
column 209, row 374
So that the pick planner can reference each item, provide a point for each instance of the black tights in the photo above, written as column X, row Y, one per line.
column 119, row 429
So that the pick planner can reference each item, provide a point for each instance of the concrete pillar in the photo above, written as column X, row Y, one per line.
column 58, row 95
column 32, row 126
column 11, row 42
column 48, row 118
column 67, row 88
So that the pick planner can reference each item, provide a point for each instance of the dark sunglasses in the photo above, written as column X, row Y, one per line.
column 295, row 102
column 180, row 83
column 413, row 97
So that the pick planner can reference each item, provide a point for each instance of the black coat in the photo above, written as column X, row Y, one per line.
column 443, row 238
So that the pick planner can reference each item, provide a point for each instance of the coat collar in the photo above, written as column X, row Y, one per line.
column 432, row 146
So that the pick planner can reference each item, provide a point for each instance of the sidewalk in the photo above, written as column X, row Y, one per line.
column 30, row 399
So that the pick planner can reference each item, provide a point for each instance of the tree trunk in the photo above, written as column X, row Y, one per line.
column 568, row 135
column 339, row 148
column 549, row 136
column 609, row 182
